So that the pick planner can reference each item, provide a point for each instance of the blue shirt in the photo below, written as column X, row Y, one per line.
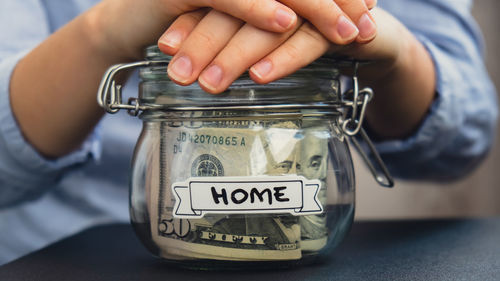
column 43, row 200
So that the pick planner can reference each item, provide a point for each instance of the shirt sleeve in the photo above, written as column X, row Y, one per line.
column 24, row 173
column 460, row 127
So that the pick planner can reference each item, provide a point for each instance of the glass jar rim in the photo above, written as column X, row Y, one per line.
column 318, row 82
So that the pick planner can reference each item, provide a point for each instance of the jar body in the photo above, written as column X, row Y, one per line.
column 248, row 147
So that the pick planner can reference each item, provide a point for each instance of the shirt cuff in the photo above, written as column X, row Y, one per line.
column 21, row 154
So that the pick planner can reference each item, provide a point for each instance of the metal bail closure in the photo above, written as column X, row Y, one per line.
column 352, row 126
column 109, row 95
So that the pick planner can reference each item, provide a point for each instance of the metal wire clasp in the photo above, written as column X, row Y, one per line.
column 109, row 95
column 352, row 123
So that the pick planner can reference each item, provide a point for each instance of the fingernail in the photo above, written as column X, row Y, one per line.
column 262, row 68
column 211, row 77
column 171, row 39
column 284, row 17
column 346, row 29
column 181, row 70
column 367, row 27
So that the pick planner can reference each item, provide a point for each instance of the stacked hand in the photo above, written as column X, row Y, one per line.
column 215, row 48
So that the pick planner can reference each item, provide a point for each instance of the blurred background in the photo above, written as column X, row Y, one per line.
column 476, row 195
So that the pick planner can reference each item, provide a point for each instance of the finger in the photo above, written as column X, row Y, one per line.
column 247, row 47
column 266, row 14
column 204, row 42
column 358, row 12
column 341, row 21
column 179, row 30
column 384, row 48
column 305, row 46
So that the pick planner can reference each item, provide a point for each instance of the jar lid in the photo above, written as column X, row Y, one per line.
column 315, row 83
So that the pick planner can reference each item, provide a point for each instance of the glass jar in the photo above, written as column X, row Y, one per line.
column 260, row 175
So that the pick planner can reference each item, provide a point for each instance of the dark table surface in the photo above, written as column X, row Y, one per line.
column 410, row 250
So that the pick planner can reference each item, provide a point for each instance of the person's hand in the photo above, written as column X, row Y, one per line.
column 124, row 27
column 399, row 62
column 216, row 48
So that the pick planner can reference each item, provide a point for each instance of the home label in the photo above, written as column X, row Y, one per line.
column 246, row 195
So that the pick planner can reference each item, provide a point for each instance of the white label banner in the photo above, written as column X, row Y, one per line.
column 246, row 195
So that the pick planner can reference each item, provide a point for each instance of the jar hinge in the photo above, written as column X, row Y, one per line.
column 109, row 96
column 352, row 125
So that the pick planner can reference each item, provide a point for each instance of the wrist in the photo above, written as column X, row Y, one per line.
column 95, row 29
column 120, row 30
column 389, row 52
column 108, row 34
column 404, row 93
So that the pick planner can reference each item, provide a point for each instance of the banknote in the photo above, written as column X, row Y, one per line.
column 312, row 161
column 224, row 149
